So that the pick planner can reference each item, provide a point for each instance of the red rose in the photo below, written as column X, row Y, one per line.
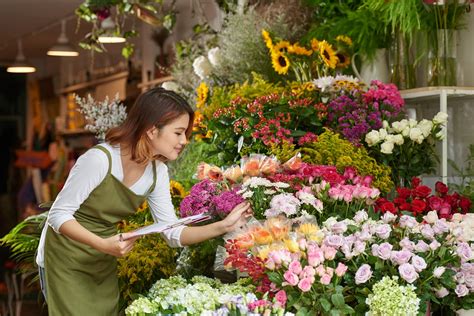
column 435, row 202
column 418, row 206
column 399, row 201
column 333, row 178
column 422, row 191
column 388, row 207
column 415, row 182
column 404, row 193
column 441, row 188
column 445, row 210
column 465, row 204
column 404, row 207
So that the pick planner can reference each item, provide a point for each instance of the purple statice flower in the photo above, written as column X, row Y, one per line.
column 225, row 202
column 199, row 199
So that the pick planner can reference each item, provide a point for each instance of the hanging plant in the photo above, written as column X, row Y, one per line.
column 109, row 18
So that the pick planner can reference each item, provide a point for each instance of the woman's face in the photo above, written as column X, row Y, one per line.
column 169, row 140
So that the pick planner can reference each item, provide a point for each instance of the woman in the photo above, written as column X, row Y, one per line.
column 108, row 183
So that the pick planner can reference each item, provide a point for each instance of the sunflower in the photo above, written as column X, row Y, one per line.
column 327, row 54
column 177, row 189
column 343, row 60
column 344, row 39
column 299, row 50
column 198, row 123
column 314, row 44
column 267, row 39
column 142, row 207
column 280, row 63
column 281, row 47
column 202, row 94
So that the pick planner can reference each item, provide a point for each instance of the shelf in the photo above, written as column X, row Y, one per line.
column 93, row 83
column 434, row 93
column 154, row 82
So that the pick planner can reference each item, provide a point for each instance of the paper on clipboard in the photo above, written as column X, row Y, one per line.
column 161, row 227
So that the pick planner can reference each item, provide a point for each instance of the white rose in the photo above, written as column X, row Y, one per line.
column 382, row 133
column 372, row 138
column 406, row 131
column 398, row 127
column 426, row 127
column 398, row 139
column 416, row 135
column 202, row 67
column 385, row 124
column 412, row 123
column 215, row 56
column 440, row 118
column 431, row 217
column 441, row 134
column 170, row 85
column 387, row 147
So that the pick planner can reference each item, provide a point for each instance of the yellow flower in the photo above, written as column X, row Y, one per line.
column 263, row 252
column 281, row 47
column 307, row 229
column 267, row 39
column 177, row 189
column 280, row 63
column 202, row 94
column 299, row 50
column 314, row 44
column 343, row 60
column 327, row 54
column 142, row 207
column 292, row 245
column 345, row 39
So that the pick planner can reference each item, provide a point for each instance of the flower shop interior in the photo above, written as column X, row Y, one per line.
column 347, row 126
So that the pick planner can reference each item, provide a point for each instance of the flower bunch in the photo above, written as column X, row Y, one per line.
column 101, row 116
column 391, row 298
column 419, row 200
column 407, row 146
column 178, row 297
column 350, row 256
column 319, row 59
column 210, row 197
column 356, row 113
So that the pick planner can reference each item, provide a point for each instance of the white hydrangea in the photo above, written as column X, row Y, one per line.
column 215, row 56
column 101, row 116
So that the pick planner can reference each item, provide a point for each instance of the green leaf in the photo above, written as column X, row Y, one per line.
column 338, row 300
column 325, row 304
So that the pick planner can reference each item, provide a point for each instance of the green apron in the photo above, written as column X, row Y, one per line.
column 81, row 280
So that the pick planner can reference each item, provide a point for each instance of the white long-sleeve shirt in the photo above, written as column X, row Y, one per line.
column 89, row 171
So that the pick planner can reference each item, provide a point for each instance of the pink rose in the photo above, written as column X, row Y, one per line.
column 435, row 245
column 427, row 231
column 401, row 257
column 295, row 267
column 315, row 258
column 461, row 290
column 359, row 247
column 308, row 272
column 421, row 246
column 464, row 251
column 363, row 274
column 329, row 253
column 281, row 297
column 441, row 292
column 305, row 284
column 438, row 272
column 339, row 228
column 335, row 241
column 320, row 270
column 408, row 272
column 341, row 269
column 407, row 244
column 418, row 263
column 325, row 279
column 440, row 227
column 291, row 278
column 383, row 231
column 383, row 251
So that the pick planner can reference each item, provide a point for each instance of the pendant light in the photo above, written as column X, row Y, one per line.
column 110, row 36
column 21, row 65
column 62, row 47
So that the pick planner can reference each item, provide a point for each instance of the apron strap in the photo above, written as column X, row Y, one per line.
column 109, row 157
column 154, row 178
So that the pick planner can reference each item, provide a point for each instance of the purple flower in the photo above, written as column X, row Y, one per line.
column 418, row 263
column 363, row 274
column 441, row 292
column 226, row 201
column 401, row 257
column 383, row 231
column 464, row 251
column 461, row 290
column 383, row 251
column 408, row 272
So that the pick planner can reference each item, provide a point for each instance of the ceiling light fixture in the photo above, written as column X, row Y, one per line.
column 21, row 65
column 111, row 35
column 62, row 47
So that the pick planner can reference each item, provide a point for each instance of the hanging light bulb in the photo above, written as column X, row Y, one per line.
column 110, row 35
column 62, row 47
column 21, row 65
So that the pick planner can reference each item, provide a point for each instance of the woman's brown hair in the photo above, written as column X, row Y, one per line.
column 155, row 107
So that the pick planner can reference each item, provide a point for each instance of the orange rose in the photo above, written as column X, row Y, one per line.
column 293, row 164
column 269, row 165
column 278, row 227
column 262, row 236
column 244, row 241
column 233, row 174
column 215, row 173
column 251, row 167
column 203, row 170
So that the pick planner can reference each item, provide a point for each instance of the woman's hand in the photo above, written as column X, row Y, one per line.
column 238, row 217
column 118, row 246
